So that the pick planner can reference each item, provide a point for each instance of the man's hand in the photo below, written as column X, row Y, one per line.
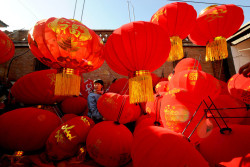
column 245, row 70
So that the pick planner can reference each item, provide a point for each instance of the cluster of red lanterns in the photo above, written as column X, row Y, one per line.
column 169, row 114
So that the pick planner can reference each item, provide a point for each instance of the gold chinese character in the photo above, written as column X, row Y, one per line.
column 65, row 129
column 158, row 13
column 215, row 14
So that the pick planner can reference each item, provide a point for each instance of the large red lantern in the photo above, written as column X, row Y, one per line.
column 109, row 144
column 223, row 147
column 178, row 19
column 115, row 107
column 161, row 87
column 68, row 46
column 27, row 129
column 239, row 87
column 36, row 88
column 198, row 83
column 211, row 29
column 157, row 146
column 75, row 105
column 135, row 50
column 65, row 141
column 7, row 48
column 187, row 64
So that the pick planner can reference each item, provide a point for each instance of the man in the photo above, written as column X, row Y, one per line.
column 92, row 101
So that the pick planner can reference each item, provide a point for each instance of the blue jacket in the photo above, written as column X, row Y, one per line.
column 92, row 104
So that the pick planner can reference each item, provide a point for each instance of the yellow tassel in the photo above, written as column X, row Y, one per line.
column 141, row 87
column 176, row 52
column 67, row 83
column 217, row 49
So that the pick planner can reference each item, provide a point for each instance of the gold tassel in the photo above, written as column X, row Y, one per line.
column 176, row 52
column 217, row 49
column 67, row 83
column 141, row 87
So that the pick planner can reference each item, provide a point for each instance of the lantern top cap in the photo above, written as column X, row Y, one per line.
column 207, row 8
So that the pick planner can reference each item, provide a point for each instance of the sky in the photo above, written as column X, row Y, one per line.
column 97, row 14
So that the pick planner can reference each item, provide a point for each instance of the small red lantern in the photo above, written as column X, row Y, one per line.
column 75, row 105
column 120, row 86
column 115, row 107
column 109, row 144
column 26, row 129
column 178, row 19
column 157, row 146
column 187, row 64
column 135, row 50
column 239, row 87
column 86, row 88
column 162, row 87
column 65, row 140
column 70, row 47
column 211, row 29
column 36, row 88
column 198, row 83
column 7, row 48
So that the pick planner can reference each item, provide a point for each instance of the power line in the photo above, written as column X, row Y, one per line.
column 82, row 9
column 207, row 3
column 74, row 10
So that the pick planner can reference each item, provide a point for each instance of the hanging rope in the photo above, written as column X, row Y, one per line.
column 82, row 9
column 129, row 12
column 74, row 10
column 157, row 112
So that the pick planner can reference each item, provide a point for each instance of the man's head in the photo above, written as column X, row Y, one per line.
column 98, row 85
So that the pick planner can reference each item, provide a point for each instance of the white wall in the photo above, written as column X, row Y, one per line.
column 241, row 54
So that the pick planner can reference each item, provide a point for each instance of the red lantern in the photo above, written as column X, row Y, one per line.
column 109, row 144
column 120, row 86
column 162, row 87
column 224, row 89
column 218, row 147
column 233, row 109
column 239, row 87
column 75, row 105
column 26, row 129
column 65, row 140
column 7, row 48
column 115, row 107
column 178, row 19
column 198, row 83
column 157, row 146
column 211, row 29
column 238, row 161
column 68, row 46
column 36, row 88
column 86, row 88
column 135, row 50
column 67, row 117
column 187, row 64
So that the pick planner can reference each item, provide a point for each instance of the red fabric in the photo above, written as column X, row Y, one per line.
column 198, row 83
column 215, row 22
column 239, row 87
column 177, row 18
column 224, row 102
column 64, row 141
column 7, row 48
column 219, row 147
column 109, row 144
column 26, row 129
column 157, row 146
column 224, row 90
column 161, row 87
column 86, row 88
column 109, row 105
column 67, row 117
column 137, row 46
column 74, row 105
column 36, row 88
column 66, row 43
column 187, row 64
column 120, row 86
